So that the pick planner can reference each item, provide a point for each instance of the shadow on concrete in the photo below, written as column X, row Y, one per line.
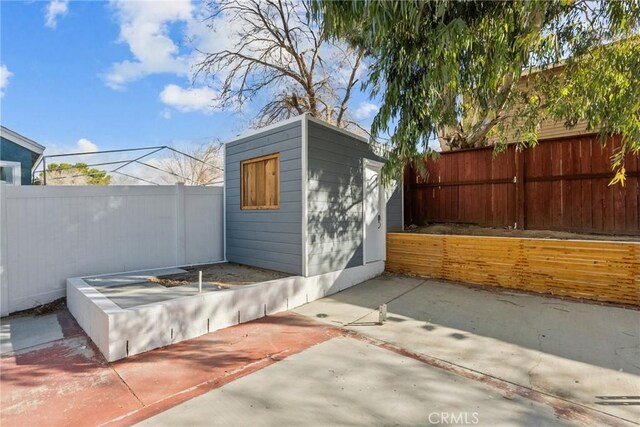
column 588, row 333
column 571, row 350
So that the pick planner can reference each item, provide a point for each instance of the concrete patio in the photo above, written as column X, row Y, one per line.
column 447, row 350
column 584, row 353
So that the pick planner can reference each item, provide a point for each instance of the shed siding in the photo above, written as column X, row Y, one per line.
column 267, row 238
column 334, row 235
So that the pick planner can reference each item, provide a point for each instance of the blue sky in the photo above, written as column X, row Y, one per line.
column 89, row 74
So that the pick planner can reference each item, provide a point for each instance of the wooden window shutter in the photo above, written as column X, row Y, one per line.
column 260, row 182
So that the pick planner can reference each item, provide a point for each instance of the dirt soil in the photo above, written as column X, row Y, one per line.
column 225, row 275
column 476, row 230
column 41, row 310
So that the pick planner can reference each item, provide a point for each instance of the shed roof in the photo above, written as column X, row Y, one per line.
column 294, row 119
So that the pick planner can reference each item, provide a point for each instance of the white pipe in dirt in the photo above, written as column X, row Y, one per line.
column 200, row 281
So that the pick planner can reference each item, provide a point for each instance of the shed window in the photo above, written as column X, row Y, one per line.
column 260, row 187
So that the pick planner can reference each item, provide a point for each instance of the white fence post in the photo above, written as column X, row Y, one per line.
column 4, row 286
column 181, row 234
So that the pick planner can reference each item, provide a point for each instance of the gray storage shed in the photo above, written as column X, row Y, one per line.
column 305, row 197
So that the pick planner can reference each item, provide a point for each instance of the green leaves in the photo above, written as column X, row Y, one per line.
column 67, row 171
column 454, row 69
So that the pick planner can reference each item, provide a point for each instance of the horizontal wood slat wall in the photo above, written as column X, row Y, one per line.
column 601, row 271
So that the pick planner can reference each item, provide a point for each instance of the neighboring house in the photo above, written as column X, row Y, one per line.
column 547, row 129
column 550, row 129
column 18, row 157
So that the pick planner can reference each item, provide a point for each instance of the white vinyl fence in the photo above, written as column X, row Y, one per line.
column 49, row 234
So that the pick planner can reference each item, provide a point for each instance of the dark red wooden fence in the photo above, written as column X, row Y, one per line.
column 561, row 184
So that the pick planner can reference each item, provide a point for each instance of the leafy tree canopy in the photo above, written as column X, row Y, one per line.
column 452, row 69
column 80, row 173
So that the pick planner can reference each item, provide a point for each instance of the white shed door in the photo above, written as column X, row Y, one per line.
column 374, row 223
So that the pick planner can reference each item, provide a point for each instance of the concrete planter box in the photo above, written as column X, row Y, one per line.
column 119, row 332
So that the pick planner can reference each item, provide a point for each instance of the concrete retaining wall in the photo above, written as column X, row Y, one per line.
column 119, row 333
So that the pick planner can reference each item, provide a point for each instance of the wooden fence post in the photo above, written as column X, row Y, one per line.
column 408, row 194
column 519, row 183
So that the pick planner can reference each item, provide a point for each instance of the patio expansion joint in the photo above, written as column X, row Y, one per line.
column 133, row 393
column 537, row 363
column 181, row 396
column 149, row 409
column 564, row 408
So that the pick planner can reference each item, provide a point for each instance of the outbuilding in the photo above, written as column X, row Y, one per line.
column 305, row 197
column 301, row 197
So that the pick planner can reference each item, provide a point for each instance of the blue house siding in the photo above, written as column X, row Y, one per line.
column 13, row 152
column 267, row 238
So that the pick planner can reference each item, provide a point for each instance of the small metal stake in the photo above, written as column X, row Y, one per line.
column 382, row 310
column 200, row 281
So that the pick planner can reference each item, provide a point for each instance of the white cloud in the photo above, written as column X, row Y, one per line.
column 83, row 145
column 86, row 146
column 144, row 26
column 55, row 9
column 365, row 110
column 171, row 36
column 212, row 35
column 4, row 79
column 188, row 100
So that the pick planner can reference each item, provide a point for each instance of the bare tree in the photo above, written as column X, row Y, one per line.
column 282, row 54
column 200, row 166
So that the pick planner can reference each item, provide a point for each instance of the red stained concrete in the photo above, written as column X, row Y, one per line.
column 167, row 371
column 68, row 381
column 65, row 382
